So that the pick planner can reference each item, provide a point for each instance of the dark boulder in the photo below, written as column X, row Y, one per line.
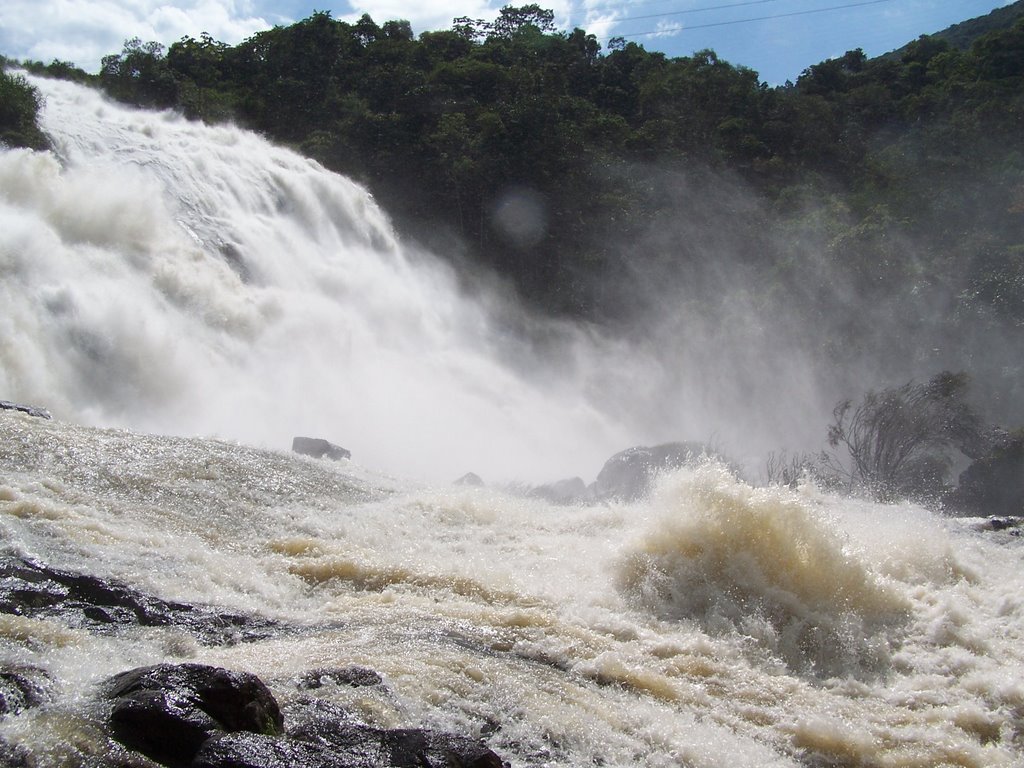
column 168, row 711
column 31, row 410
column 253, row 750
column 1011, row 525
column 319, row 448
column 206, row 717
column 357, row 745
column 992, row 485
column 470, row 479
column 629, row 475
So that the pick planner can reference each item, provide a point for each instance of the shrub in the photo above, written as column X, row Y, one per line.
column 900, row 441
column 19, row 112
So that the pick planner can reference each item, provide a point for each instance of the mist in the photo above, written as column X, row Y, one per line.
column 758, row 321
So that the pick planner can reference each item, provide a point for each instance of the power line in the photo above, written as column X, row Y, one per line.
column 746, row 21
column 688, row 10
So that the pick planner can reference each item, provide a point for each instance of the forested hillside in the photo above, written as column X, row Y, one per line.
column 866, row 221
column 535, row 152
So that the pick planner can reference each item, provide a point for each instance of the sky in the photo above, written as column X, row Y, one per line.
column 777, row 38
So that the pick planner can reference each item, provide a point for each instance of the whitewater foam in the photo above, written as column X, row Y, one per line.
column 481, row 608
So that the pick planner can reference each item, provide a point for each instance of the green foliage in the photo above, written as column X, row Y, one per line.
column 139, row 74
column 19, row 109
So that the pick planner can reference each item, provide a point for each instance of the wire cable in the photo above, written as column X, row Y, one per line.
column 738, row 21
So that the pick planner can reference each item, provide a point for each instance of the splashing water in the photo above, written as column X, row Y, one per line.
column 646, row 634
column 735, row 558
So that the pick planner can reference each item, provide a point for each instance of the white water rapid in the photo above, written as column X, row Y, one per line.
column 183, row 280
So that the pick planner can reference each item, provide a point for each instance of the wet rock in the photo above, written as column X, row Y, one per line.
column 250, row 750
column 31, row 588
column 15, row 756
column 207, row 717
column 356, row 677
column 471, row 479
column 362, row 746
column 168, row 711
column 1012, row 525
column 629, row 474
column 23, row 687
column 564, row 492
column 319, row 448
column 413, row 748
column 993, row 485
column 31, row 410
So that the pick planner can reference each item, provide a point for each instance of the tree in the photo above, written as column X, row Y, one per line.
column 511, row 19
column 140, row 75
column 19, row 111
column 899, row 440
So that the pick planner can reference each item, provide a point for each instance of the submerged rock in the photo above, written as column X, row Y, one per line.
column 15, row 756
column 31, row 410
column 629, row 474
column 30, row 588
column 356, row 677
column 319, row 448
column 23, row 687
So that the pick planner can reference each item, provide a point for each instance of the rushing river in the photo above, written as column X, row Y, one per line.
column 715, row 625
column 166, row 278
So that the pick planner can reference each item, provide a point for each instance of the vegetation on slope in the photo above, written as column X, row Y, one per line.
column 19, row 111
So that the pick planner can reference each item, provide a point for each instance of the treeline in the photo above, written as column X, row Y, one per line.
column 19, row 112
column 539, row 154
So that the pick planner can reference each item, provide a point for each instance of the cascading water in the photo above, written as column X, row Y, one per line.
column 713, row 625
column 179, row 278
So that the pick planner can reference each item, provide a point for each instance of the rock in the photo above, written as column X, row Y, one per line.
column 207, row 717
column 1012, row 525
column 319, row 448
column 23, row 687
column 356, row 677
column 413, row 748
column 7, row 405
column 628, row 475
column 30, row 588
column 358, row 745
column 993, row 485
column 168, row 711
column 15, row 756
column 571, row 491
column 470, row 479
column 251, row 750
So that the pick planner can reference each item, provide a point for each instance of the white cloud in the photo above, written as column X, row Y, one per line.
column 667, row 28
column 83, row 31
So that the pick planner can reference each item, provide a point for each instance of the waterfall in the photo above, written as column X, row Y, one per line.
column 172, row 277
